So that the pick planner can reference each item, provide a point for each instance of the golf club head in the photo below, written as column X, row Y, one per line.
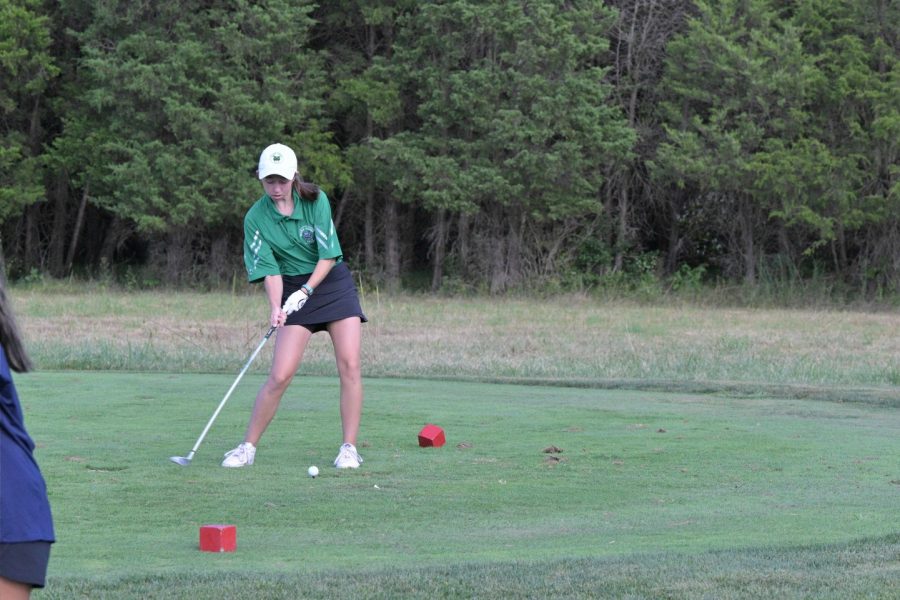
column 180, row 460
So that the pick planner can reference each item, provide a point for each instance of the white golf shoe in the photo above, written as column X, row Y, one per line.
column 348, row 457
column 242, row 456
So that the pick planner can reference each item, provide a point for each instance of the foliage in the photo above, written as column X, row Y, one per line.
column 784, row 126
column 26, row 69
column 490, row 145
column 178, row 120
column 512, row 121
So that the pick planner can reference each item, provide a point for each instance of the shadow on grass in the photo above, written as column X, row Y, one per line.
column 875, row 396
column 868, row 568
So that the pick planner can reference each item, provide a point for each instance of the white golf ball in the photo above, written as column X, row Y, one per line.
column 313, row 471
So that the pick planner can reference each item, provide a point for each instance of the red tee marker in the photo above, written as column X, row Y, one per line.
column 218, row 538
column 431, row 435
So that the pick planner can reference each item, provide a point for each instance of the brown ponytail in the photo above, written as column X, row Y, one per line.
column 10, row 339
column 307, row 191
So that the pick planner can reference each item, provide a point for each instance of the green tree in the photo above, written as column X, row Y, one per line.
column 854, row 202
column 737, row 84
column 368, row 105
column 638, row 40
column 26, row 69
column 515, row 126
column 178, row 100
column 783, row 117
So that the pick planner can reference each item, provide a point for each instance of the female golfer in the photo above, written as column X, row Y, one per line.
column 290, row 245
column 26, row 526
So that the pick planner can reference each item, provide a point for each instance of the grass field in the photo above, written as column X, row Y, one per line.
column 761, row 469
column 571, row 340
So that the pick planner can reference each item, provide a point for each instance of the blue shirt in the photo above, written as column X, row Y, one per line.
column 24, row 506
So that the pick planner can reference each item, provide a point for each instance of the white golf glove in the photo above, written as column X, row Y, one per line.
column 295, row 302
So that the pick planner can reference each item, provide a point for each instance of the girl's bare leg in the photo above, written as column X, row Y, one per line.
column 290, row 344
column 13, row 590
column 346, row 336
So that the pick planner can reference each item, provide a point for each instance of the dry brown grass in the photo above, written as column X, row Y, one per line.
column 564, row 338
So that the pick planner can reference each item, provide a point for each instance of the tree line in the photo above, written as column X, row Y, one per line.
column 467, row 144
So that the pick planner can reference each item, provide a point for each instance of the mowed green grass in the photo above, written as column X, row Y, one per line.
column 646, row 495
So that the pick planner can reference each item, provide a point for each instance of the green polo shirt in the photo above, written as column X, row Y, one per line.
column 279, row 245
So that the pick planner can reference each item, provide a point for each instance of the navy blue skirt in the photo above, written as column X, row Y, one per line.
column 334, row 299
column 25, row 562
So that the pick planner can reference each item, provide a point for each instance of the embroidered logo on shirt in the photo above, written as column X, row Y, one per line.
column 306, row 233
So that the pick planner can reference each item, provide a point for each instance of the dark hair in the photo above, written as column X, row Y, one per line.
column 10, row 338
column 307, row 191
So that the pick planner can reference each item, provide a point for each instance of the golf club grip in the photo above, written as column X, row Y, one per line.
column 231, row 389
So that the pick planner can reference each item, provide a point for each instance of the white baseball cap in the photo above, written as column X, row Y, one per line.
column 277, row 159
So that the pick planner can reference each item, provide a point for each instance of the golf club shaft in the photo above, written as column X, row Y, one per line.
column 231, row 389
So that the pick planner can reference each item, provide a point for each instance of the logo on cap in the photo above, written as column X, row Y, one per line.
column 276, row 157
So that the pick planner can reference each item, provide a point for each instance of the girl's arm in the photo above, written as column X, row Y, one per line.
column 274, row 288
column 323, row 267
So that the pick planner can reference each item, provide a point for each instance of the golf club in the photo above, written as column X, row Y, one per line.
column 186, row 460
column 293, row 303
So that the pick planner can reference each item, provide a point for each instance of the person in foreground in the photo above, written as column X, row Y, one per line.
column 290, row 245
column 26, row 525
